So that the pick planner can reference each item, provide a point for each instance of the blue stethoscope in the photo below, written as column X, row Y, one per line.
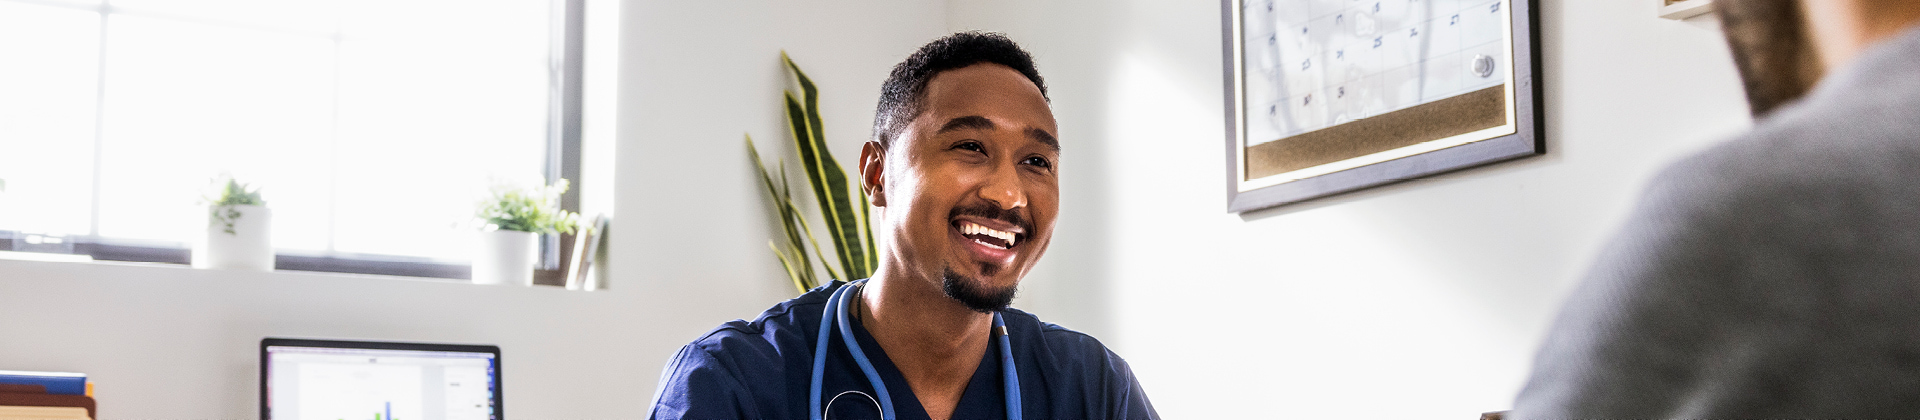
column 837, row 311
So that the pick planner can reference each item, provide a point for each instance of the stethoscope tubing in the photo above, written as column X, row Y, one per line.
column 860, row 357
column 814, row 411
column 1010, row 376
column 836, row 312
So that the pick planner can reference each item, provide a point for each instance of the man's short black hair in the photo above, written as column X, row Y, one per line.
column 904, row 93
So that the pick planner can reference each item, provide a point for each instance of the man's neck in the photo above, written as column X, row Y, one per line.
column 935, row 341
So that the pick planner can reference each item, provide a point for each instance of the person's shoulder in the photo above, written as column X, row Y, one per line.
column 710, row 376
column 1066, row 347
column 1053, row 333
column 772, row 329
column 1076, row 364
column 1826, row 153
column 1856, row 132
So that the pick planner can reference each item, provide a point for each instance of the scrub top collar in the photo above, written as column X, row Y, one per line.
column 983, row 399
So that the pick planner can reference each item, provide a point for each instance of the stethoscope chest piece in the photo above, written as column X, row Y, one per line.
column 853, row 405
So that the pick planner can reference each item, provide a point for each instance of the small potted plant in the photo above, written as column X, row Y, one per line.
column 512, row 219
column 239, row 229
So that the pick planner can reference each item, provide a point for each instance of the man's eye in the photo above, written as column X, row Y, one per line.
column 1039, row 162
column 970, row 146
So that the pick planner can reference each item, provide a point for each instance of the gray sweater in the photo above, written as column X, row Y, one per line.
column 1776, row 275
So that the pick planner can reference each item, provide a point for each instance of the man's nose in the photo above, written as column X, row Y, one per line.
column 1003, row 187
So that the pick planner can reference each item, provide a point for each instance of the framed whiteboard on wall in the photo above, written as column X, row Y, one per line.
column 1330, row 96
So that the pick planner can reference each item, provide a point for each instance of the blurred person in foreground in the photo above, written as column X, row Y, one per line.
column 1776, row 275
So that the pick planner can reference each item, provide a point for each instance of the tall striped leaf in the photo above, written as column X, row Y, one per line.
column 845, row 212
column 793, row 257
column 844, row 224
column 793, row 214
column 799, row 281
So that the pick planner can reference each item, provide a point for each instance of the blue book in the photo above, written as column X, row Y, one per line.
column 58, row 383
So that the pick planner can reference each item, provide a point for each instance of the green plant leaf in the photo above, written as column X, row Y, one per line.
column 798, row 232
column 519, row 209
column 232, row 192
column 773, row 193
column 808, row 228
column 787, row 264
column 829, row 181
column 794, row 256
column 816, row 167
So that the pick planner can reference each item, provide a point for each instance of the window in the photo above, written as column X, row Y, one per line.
column 371, row 126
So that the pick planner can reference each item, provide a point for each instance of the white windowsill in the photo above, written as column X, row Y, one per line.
column 33, row 264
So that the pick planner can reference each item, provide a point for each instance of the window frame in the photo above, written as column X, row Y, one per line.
column 565, row 99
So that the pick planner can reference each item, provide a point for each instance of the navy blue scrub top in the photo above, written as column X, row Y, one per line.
column 762, row 370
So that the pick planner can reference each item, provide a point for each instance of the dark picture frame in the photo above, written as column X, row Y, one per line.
column 1298, row 156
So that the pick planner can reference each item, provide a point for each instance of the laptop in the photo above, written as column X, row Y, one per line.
column 304, row 379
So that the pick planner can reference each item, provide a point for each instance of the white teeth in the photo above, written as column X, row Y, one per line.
column 970, row 228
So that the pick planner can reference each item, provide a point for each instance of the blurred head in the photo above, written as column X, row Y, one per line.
column 963, row 168
column 1784, row 47
column 1771, row 49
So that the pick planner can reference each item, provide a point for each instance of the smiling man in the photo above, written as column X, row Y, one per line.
column 963, row 167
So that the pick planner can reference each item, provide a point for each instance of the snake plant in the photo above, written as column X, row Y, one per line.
column 843, row 208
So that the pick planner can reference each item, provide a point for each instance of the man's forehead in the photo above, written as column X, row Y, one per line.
column 987, row 97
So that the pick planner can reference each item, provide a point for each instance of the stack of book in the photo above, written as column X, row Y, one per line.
column 586, row 248
column 45, row 396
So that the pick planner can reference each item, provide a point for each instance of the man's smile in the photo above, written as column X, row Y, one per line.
column 997, row 238
column 990, row 241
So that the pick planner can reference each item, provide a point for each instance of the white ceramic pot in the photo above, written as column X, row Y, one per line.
column 505, row 257
column 241, row 239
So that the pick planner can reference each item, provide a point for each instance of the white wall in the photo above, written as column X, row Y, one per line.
column 689, row 250
column 1419, row 300
column 1422, row 300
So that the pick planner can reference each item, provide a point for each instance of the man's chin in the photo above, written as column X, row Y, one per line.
column 974, row 294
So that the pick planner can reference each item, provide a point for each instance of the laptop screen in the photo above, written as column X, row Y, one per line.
column 353, row 380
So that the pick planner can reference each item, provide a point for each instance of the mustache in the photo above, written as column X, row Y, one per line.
column 989, row 211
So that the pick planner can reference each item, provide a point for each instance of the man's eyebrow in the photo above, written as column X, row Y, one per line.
column 971, row 121
column 977, row 122
column 1045, row 138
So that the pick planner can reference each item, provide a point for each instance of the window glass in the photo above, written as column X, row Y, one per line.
column 47, row 99
column 315, row 16
column 187, row 101
column 452, row 104
column 371, row 127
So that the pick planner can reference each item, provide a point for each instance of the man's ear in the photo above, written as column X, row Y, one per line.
column 873, row 165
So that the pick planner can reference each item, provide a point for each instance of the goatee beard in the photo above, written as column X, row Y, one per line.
column 968, row 292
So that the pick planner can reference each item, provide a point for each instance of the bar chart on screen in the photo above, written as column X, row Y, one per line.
column 386, row 414
column 362, row 391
